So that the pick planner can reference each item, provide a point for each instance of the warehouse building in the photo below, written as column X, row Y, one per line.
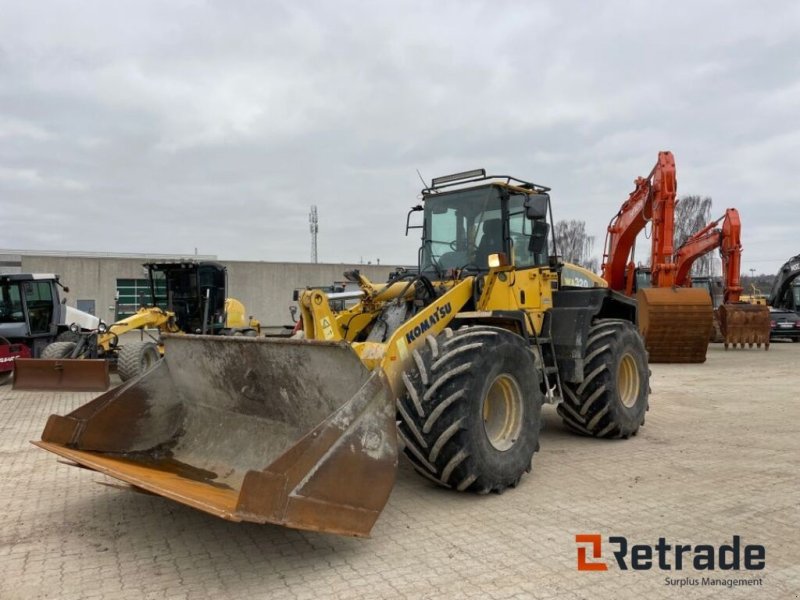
column 112, row 286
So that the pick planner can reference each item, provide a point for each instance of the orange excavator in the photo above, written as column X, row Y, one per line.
column 740, row 322
column 676, row 322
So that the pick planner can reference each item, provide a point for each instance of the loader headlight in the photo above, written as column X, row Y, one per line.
column 74, row 328
column 498, row 260
column 102, row 327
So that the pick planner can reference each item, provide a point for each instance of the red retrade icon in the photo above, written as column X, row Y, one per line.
column 597, row 553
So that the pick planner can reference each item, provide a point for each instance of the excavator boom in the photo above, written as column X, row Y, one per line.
column 676, row 323
column 740, row 322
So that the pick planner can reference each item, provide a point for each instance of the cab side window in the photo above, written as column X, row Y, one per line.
column 39, row 298
column 520, row 231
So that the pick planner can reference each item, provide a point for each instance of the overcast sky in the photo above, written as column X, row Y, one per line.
column 164, row 127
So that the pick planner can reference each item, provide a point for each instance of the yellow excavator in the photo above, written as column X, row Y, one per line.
column 186, row 296
column 450, row 363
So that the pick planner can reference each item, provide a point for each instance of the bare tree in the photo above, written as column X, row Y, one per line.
column 574, row 244
column 692, row 213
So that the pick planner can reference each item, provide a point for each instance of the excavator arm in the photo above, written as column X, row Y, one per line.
column 740, row 323
column 728, row 239
column 653, row 199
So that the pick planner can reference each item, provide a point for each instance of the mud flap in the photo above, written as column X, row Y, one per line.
column 65, row 374
column 744, row 323
column 292, row 432
column 676, row 323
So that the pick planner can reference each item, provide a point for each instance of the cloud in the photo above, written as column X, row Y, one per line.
column 149, row 127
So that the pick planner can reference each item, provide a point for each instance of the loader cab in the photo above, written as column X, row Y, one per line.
column 194, row 290
column 469, row 217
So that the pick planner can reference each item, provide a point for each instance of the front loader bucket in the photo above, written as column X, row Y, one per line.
column 65, row 374
column 743, row 323
column 292, row 432
column 676, row 323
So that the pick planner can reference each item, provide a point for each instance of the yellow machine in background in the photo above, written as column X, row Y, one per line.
column 185, row 297
column 455, row 359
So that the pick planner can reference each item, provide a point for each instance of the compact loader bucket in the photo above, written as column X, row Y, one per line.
column 292, row 432
column 63, row 374
column 743, row 323
column 676, row 323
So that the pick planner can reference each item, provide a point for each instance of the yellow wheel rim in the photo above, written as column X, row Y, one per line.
column 502, row 412
column 628, row 381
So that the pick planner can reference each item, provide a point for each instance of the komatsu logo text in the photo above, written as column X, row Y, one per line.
column 440, row 314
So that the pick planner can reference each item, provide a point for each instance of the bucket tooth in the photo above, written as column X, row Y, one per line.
column 742, row 323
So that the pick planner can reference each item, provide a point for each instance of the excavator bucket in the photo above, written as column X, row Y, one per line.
column 292, row 432
column 63, row 374
column 742, row 323
column 676, row 323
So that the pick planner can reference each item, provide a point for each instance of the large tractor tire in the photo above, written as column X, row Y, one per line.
column 58, row 350
column 471, row 413
column 135, row 358
column 612, row 399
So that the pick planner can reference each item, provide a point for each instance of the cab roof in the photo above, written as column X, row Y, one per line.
column 28, row 277
column 478, row 178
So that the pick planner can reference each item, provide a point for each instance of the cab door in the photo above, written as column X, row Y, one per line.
column 40, row 307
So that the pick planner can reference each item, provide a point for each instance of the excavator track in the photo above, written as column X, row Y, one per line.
column 676, row 323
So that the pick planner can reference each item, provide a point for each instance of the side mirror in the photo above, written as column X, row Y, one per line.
column 66, row 289
column 536, row 206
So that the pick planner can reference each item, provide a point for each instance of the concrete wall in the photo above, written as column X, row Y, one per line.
column 265, row 288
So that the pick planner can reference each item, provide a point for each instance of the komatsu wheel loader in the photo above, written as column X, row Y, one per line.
column 451, row 363
column 186, row 296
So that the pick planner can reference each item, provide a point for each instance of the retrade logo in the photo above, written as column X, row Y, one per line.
column 596, row 546
column 663, row 556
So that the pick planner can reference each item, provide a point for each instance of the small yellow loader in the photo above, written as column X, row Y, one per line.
column 186, row 297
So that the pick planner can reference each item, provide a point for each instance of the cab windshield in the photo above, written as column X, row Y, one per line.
column 463, row 228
